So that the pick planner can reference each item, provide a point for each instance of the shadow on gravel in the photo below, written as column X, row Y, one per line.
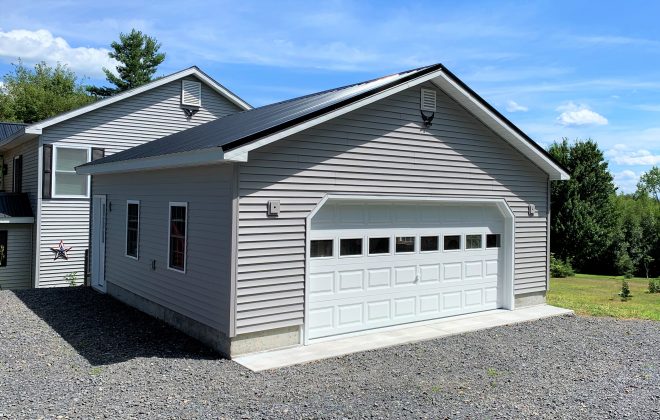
column 105, row 331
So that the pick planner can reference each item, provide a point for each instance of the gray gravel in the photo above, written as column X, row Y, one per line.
column 77, row 354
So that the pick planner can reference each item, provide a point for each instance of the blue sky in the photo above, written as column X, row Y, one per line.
column 555, row 68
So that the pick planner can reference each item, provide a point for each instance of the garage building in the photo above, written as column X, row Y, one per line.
column 396, row 200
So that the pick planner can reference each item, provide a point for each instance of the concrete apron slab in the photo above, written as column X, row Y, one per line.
column 393, row 336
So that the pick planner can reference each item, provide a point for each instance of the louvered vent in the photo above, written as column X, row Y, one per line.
column 191, row 93
column 428, row 100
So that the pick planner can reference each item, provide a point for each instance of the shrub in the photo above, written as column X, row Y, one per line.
column 654, row 285
column 559, row 268
column 624, row 265
column 72, row 278
column 625, row 290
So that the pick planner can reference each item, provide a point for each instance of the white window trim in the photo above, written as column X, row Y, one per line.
column 415, row 241
column 54, row 171
column 461, row 245
column 169, row 233
column 389, row 244
column 333, row 248
column 429, row 251
column 361, row 254
column 137, row 250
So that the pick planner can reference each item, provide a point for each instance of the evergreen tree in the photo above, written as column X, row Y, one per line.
column 33, row 94
column 138, row 58
column 584, row 217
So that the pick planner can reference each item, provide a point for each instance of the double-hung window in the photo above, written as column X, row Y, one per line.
column 67, row 183
column 178, row 231
column 132, row 228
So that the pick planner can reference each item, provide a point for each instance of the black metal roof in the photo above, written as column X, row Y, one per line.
column 15, row 205
column 9, row 128
column 237, row 129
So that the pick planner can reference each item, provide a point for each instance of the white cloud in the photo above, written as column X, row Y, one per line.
column 513, row 106
column 622, row 155
column 575, row 115
column 626, row 180
column 34, row 46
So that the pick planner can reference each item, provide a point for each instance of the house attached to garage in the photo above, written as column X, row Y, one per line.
column 396, row 200
column 45, row 227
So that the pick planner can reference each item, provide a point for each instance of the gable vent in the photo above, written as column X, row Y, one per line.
column 191, row 93
column 428, row 100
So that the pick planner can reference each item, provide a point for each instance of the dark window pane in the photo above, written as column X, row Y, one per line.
column 379, row 245
column 452, row 242
column 405, row 244
column 132, row 226
column 350, row 246
column 493, row 240
column 320, row 248
column 3, row 248
column 177, row 237
column 429, row 243
column 472, row 241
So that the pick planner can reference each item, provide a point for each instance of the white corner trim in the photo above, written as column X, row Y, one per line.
column 37, row 127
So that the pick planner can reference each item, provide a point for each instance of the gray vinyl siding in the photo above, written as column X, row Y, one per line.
column 116, row 127
column 29, row 150
column 202, row 292
column 17, row 274
column 379, row 149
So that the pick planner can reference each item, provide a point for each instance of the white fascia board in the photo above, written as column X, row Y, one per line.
column 37, row 127
column 239, row 151
column 24, row 220
column 173, row 160
column 500, row 127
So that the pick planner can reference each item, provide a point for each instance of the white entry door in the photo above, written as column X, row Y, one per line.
column 98, row 242
column 376, row 265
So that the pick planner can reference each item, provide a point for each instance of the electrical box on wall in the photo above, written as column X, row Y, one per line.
column 532, row 210
column 273, row 208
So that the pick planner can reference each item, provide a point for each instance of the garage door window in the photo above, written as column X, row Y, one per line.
column 493, row 240
column 405, row 244
column 379, row 246
column 452, row 242
column 472, row 241
column 429, row 243
column 320, row 248
column 350, row 247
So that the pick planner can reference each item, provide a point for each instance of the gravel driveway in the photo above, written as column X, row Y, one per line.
column 74, row 353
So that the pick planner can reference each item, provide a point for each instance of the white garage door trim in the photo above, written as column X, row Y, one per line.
column 509, row 235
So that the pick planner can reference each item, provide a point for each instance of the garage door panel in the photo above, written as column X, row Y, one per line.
column 378, row 278
column 404, row 276
column 429, row 273
column 452, row 272
column 350, row 281
column 321, row 284
column 360, row 292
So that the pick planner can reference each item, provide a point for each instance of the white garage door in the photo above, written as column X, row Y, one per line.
column 380, row 264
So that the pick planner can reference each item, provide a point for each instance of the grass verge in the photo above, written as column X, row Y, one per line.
column 597, row 295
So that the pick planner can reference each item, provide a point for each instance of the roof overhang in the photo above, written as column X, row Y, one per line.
column 441, row 77
column 23, row 220
column 209, row 156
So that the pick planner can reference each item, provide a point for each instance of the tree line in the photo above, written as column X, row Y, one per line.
column 30, row 94
column 596, row 230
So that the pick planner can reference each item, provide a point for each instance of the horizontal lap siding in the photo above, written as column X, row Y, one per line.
column 379, row 149
column 202, row 293
column 117, row 127
column 17, row 273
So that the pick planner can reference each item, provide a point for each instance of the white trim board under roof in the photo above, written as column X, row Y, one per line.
column 37, row 127
column 234, row 136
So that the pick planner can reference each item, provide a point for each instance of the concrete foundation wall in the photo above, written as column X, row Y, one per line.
column 207, row 335
column 529, row 299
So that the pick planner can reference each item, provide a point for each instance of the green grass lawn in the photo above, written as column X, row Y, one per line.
column 595, row 295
